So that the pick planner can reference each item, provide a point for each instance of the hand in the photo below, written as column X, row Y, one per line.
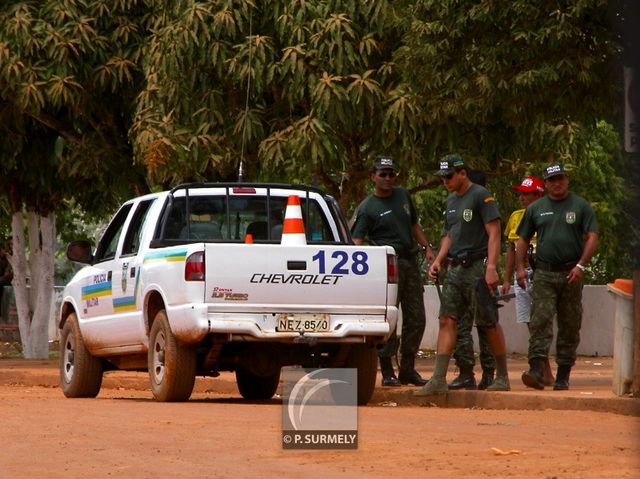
column 506, row 286
column 434, row 269
column 574, row 275
column 492, row 279
column 429, row 255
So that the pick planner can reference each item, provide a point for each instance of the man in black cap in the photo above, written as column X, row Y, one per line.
column 388, row 217
column 470, row 245
column 567, row 238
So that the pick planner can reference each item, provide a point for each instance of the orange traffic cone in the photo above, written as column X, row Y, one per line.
column 293, row 226
column 248, row 238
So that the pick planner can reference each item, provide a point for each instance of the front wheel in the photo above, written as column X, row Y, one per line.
column 172, row 366
column 364, row 358
column 80, row 372
column 253, row 387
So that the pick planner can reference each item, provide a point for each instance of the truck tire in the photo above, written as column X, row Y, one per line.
column 172, row 366
column 253, row 387
column 364, row 358
column 80, row 372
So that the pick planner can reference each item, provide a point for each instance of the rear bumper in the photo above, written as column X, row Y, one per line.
column 191, row 323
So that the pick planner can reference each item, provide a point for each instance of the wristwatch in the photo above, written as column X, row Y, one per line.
column 580, row 267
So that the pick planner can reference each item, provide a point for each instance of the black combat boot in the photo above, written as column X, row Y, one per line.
column 534, row 377
column 408, row 373
column 562, row 378
column 388, row 376
column 465, row 380
column 487, row 378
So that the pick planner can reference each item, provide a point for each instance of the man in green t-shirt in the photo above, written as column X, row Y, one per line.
column 471, row 246
column 388, row 217
column 567, row 238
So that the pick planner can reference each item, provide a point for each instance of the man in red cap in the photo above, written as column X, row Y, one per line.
column 530, row 190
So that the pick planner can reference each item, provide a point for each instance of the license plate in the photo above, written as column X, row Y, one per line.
column 308, row 323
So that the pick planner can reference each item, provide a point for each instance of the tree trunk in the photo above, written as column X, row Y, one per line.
column 33, row 300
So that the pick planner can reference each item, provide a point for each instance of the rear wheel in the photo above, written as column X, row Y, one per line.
column 172, row 366
column 252, row 386
column 80, row 372
column 364, row 358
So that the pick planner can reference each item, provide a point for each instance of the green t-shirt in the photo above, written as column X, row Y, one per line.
column 465, row 217
column 560, row 226
column 386, row 221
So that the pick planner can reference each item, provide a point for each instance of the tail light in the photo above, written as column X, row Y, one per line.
column 392, row 269
column 194, row 267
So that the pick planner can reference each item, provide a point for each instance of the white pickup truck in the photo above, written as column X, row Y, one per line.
column 195, row 280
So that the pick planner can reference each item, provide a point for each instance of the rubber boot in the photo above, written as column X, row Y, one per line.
column 562, row 378
column 465, row 380
column 408, row 373
column 548, row 375
column 388, row 375
column 487, row 378
column 533, row 378
column 438, row 382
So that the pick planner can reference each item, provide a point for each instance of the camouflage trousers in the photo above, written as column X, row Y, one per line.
column 463, row 354
column 411, row 299
column 459, row 301
column 553, row 297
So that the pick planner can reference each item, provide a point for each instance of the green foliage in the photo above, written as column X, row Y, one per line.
column 68, row 77
column 303, row 90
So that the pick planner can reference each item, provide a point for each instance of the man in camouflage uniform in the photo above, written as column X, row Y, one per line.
column 388, row 217
column 567, row 238
column 463, row 354
column 471, row 247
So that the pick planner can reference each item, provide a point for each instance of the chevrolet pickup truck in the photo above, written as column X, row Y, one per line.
column 199, row 280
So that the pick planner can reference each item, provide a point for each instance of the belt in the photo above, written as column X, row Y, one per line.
column 466, row 259
column 555, row 268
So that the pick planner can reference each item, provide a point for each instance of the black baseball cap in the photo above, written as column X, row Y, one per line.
column 383, row 161
column 554, row 169
column 450, row 164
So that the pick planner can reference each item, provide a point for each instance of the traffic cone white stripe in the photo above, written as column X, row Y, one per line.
column 293, row 225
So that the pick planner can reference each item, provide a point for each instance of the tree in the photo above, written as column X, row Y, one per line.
column 293, row 90
column 67, row 80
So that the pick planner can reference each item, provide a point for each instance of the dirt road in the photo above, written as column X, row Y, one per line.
column 125, row 433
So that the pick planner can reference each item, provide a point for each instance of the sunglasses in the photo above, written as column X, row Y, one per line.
column 386, row 174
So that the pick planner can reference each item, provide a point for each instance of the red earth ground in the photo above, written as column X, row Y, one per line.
column 125, row 433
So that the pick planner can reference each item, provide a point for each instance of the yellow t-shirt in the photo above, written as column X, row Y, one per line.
column 512, row 226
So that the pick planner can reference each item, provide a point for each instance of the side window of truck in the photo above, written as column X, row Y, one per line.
column 134, row 233
column 108, row 244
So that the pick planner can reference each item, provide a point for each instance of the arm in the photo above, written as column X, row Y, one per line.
column 589, row 249
column 358, row 241
column 509, row 267
column 521, row 252
column 418, row 235
column 493, row 253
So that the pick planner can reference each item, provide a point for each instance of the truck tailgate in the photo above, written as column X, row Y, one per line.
column 312, row 278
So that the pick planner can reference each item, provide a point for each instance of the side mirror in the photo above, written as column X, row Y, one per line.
column 80, row 252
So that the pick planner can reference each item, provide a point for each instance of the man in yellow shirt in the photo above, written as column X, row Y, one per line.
column 530, row 190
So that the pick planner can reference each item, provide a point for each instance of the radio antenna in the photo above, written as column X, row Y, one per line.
column 246, row 104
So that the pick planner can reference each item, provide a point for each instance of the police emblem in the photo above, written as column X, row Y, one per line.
column 467, row 214
column 123, row 281
column 570, row 217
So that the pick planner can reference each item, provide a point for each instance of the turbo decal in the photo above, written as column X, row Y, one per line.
column 159, row 256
